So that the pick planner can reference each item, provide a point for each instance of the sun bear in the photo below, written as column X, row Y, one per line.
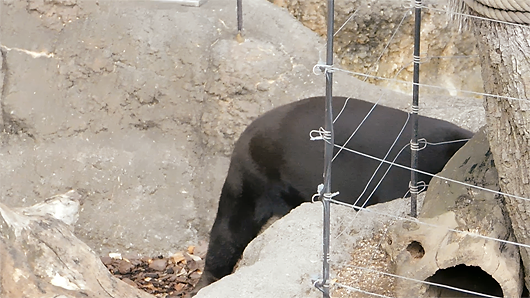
column 275, row 167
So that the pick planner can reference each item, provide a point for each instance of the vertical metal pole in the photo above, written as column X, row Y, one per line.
column 239, row 16
column 414, row 146
column 328, row 150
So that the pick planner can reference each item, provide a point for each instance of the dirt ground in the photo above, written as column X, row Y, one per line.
column 166, row 277
column 363, row 272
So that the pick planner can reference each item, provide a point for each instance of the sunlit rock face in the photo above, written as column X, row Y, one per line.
column 378, row 40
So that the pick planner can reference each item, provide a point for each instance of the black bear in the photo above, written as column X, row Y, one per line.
column 275, row 167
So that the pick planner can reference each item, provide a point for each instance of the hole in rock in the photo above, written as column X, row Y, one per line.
column 416, row 250
column 469, row 278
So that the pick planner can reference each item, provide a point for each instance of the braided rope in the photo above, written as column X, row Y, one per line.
column 513, row 5
column 515, row 11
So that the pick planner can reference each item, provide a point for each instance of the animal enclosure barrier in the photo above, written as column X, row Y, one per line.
column 429, row 266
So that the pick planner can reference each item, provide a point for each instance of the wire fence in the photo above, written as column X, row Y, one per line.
column 327, row 195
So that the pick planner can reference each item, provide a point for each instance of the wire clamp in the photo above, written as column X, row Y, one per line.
column 320, row 68
column 326, row 196
column 319, row 134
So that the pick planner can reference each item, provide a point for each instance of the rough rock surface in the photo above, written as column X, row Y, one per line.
column 287, row 257
column 376, row 37
column 420, row 250
column 137, row 105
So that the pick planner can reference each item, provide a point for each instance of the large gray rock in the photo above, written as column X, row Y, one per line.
column 423, row 250
column 137, row 105
column 287, row 257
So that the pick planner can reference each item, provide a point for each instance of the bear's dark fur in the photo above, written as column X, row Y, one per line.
column 275, row 167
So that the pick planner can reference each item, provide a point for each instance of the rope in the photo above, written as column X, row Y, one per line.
column 512, row 5
column 516, row 11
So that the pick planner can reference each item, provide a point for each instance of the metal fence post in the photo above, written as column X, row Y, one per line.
column 414, row 146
